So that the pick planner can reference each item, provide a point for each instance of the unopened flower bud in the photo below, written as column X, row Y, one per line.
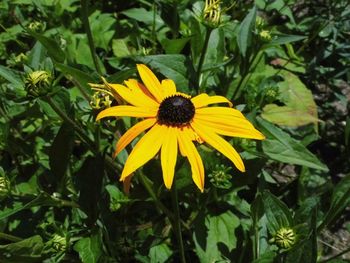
column 265, row 35
column 220, row 177
column 212, row 13
column 284, row 238
column 38, row 83
column 59, row 243
column 37, row 26
column 4, row 186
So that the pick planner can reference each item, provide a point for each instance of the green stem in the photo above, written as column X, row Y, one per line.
column 77, row 128
column 85, row 20
column 177, row 221
column 202, row 57
column 153, row 195
column 10, row 237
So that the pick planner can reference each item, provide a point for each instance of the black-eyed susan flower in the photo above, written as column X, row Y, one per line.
column 174, row 122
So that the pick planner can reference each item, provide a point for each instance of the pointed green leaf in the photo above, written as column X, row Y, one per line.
column 89, row 248
column 245, row 31
column 280, row 146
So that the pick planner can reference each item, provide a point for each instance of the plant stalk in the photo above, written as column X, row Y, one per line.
column 85, row 20
column 202, row 57
column 177, row 222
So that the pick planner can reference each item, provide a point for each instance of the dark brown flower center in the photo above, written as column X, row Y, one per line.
column 176, row 110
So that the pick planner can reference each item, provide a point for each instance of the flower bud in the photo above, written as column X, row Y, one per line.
column 285, row 238
column 4, row 186
column 37, row 26
column 220, row 177
column 265, row 35
column 100, row 100
column 59, row 243
column 212, row 13
column 38, row 83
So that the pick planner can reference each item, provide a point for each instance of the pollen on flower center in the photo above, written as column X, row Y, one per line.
column 176, row 110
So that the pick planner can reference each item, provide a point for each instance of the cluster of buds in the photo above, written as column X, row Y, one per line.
column 38, row 83
column 220, row 177
column 212, row 13
column 4, row 186
column 284, row 238
column 260, row 25
column 103, row 96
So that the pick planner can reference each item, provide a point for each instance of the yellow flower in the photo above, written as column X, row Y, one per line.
column 175, row 121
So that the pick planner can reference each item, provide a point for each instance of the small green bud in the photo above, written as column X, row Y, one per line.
column 285, row 238
column 38, row 83
column 220, row 177
column 265, row 35
column 259, row 22
column 37, row 26
column 4, row 186
column 59, row 243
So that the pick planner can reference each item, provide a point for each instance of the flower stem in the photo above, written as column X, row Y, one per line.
column 202, row 57
column 85, row 20
column 177, row 222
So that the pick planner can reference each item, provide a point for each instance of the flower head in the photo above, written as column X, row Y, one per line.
column 38, row 83
column 174, row 122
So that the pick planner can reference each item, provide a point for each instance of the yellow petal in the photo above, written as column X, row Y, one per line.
column 141, row 92
column 145, row 149
column 168, row 156
column 220, row 111
column 232, row 130
column 169, row 87
column 134, row 97
column 125, row 110
column 151, row 82
column 132, row 133
column 209, row 136
column 188, row 149
column 204, row 99
column 238, row 122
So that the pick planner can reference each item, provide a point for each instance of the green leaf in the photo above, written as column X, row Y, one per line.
column 282, row 39
column 174, row 46
column 82, row 77
column 277, row 213
column 61, row 150
column 53, row 49
column 280, row 146
column 300, row 108
column 339, row 201
column 89, row 248
column 120, row 48
column 27, row 250
column 175, row 67
column 36, row 56
column 11, row 76
column 89, row 182
column 213, row 234
column 267, row 257
column 160, row 253
column 245, row 31
column 102, row 28
column 144, row 16
column 170, row 15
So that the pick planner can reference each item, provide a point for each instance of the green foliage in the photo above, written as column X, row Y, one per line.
column 284, row 64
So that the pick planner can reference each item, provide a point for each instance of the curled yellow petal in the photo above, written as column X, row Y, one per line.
column 217, row 142
column 168, row 156
column 151, row 82
column 204, row 99
column 132, row 133
column 145, row 149
column 126, row 110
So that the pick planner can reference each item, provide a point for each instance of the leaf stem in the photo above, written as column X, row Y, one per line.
column 177, row 221
column 202, row 57
column 85, row 20
column 10, row 237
